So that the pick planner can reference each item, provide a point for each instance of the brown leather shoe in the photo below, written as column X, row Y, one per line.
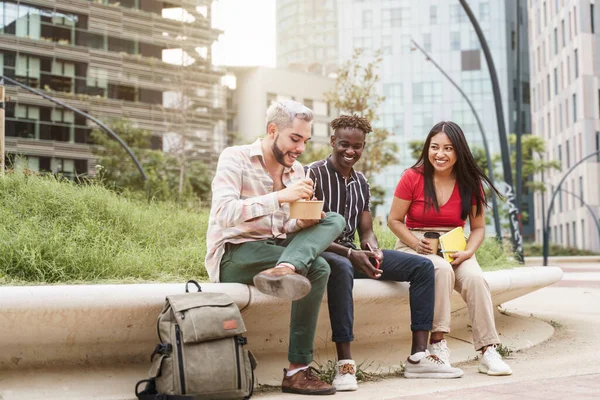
column 282, row 282
column 305, row 382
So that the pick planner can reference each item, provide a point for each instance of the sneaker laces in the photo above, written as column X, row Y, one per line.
column 345, row 369
column 442, row 348
column 435, row 359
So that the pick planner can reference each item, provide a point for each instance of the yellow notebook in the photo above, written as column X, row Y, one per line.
column 453, row 241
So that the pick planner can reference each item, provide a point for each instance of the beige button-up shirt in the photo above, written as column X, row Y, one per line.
column 244, row 206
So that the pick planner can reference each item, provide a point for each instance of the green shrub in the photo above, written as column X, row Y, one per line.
column 55, row 231
column 535, row 249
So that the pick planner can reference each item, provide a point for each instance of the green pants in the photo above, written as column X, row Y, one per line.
column 241, row 262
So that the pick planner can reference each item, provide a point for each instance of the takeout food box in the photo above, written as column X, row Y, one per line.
column 306, row 209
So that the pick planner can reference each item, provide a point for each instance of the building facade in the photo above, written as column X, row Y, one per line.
column 417, row 94
column 307, row 35
column 142, row 60
column 565, row 72
column 257, row 87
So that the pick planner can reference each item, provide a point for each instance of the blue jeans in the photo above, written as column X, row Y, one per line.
column 396, row 266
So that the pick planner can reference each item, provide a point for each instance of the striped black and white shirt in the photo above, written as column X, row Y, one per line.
column 346, row 197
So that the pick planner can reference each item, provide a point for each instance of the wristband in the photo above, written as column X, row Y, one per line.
column 349, row 252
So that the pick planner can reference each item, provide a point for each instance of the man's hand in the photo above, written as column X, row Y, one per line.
column 301, row 189
column 360, row 262
column 459, row 257
column 307, row 223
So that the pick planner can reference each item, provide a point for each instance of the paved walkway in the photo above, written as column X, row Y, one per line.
column 565, row 367
column 572, row 387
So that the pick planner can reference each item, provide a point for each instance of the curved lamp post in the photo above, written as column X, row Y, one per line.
column 551, row 206
column 589, row 208
column 88, row 116
column 484, row 138
column 513, row 208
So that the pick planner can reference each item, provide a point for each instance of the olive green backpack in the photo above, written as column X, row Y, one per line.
column 201, row 352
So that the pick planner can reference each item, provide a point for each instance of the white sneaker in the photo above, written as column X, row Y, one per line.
column 441, row 350
column 492, row 364
column 430, row 366
column 345, row 376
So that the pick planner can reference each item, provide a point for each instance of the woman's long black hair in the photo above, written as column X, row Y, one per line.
column 468, row 174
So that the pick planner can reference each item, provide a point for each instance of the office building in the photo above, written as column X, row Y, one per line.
column 307, row 35
column 142, row 60
column 257, row 87
column 565, row 76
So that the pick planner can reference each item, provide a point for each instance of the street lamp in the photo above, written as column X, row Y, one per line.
column 551, row 206
column 88, row 116
column 484, row 138
column 513, row 208
column 589, row 208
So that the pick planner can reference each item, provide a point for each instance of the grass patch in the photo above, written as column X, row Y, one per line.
column 504, row 351
column 328, row 370
column 55, row 231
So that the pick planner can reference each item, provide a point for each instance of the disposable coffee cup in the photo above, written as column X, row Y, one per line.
column 434, row 240
column 306, row 209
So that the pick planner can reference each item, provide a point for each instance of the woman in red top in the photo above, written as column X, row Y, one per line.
column 439, row 193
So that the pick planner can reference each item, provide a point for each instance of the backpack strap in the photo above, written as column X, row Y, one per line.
column 193, row 282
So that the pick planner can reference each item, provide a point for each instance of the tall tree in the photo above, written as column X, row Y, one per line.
column 355, row 92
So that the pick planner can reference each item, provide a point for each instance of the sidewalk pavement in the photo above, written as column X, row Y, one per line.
column 565, row 366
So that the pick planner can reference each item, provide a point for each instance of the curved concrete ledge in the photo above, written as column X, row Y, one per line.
column 95, row 325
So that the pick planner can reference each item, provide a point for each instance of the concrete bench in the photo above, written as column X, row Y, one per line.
column 112, row 329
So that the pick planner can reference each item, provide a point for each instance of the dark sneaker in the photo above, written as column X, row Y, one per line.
column 305, row 382
column 283, row 283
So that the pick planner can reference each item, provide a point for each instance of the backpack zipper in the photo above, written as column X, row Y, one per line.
column 180, row 358
column 237, row 358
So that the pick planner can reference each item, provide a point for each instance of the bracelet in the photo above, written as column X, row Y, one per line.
column 349, row 253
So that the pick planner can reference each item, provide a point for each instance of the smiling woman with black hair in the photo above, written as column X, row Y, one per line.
column 439, row 193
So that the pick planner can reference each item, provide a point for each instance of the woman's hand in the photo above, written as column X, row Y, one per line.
column 459, row 257
column 423, row 247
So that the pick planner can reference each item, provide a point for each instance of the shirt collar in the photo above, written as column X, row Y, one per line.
column 330, row 166
column 256, row 151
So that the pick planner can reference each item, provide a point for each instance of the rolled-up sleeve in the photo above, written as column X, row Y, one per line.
column 227, row 188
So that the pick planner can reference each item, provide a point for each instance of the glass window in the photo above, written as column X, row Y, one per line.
column 484, row 11
column 394, row 17
column 8, row 20
column 386, row 45
column 574, row 107
column 122, row 45
column 28, row 23
column 457, row 13
column 122, row 92
column 321, row 129
column 433, row 15
column 576, row 62
column 320, row 108
column 427, row 41
column 367, row 19
column 455, row 40
column 27, row 70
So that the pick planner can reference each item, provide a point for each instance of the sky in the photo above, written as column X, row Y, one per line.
column 249, row 32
